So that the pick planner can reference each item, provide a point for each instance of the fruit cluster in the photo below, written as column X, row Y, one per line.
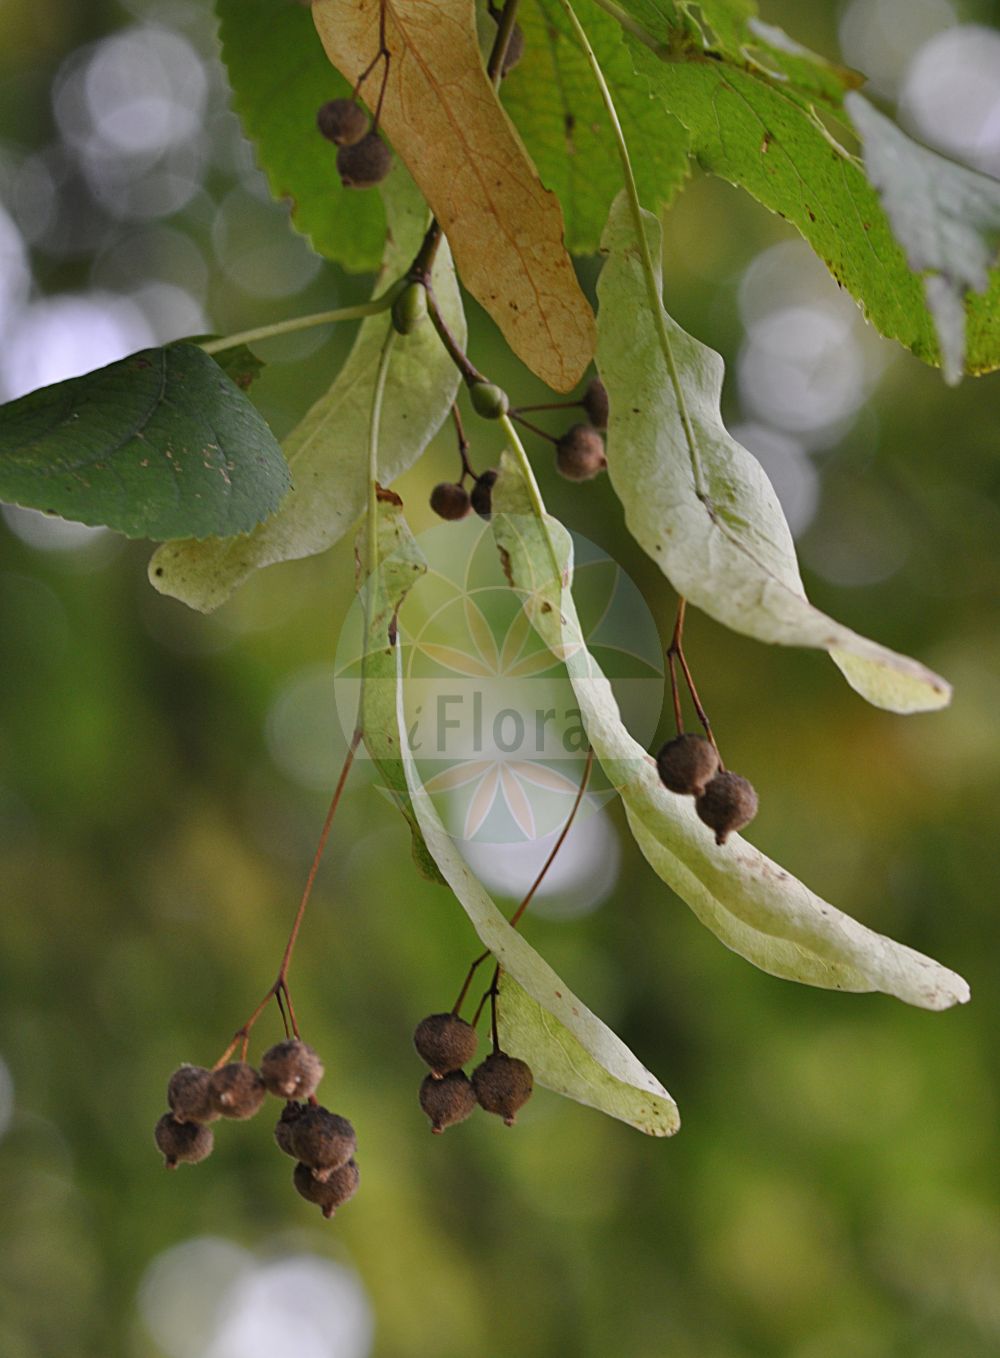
column 322, row 1143
column 501, row 1084
column 363, row 159
column 689, row 764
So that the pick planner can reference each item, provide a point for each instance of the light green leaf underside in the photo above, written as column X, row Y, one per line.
column 160, row 445
column 401, row 564
column 327, row 451
column 552, row 98
column 698, row 502
column 541, row 1021
column 945, row 216
column 754, row 906
column 280, row 76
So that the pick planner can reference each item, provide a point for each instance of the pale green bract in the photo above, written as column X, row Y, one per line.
column 698, row 502
column 754, row 906
column 327, row 450
column 945, row 216
column 570, row 1050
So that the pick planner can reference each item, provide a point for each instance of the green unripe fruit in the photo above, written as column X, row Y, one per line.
column 189, row 1095
column 409, row 308
column 489, row 400
column 237, row 1090
column 728, row 803
column 447, row 1101
column 446, row 1042
column 342, row 121
column 182, row 1142
column 502, row 1084
column 364, row 164
column 331, row 1194
column 687, row 764
column 291, row 1069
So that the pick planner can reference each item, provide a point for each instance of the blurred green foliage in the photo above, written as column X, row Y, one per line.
column 833, row 1189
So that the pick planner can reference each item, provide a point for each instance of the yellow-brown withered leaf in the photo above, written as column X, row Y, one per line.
column 443, row 118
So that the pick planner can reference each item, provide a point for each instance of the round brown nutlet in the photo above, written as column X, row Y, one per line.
column 237, row 1090
column 448, row 1100
column 502, row 1084
column 364, row 164
column 595, row 403
column 481, row 497
column 323, row 1140
column 189, row 1094
column 331, row 1194
column 291, row 1069
column 728, row 803
column 182, row 1142
column 580, row 453
column 450, row 501
column 342, row 121
column 445, row 1042
column 687, row 764
column 285, row 1126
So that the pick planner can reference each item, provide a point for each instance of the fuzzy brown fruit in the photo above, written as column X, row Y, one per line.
column 342, row 121
column 450, row 501
column 580, row 453
column 728, row 803
column 446, row 1042
column 502, row 1085
column 237, row 1090
column 364, row 164
column 323, row 1140
column 447, row 1101
column 189, row 1095
column 595, row 403
column 331, row 1194
column 285, row 1126
column 481, row 497
column 182, row 1142
column 291, row 1069
column 687, row 764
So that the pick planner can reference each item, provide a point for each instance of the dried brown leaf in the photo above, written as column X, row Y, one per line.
column 443, row 118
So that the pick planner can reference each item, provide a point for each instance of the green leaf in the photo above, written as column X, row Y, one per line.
column 945, row 216
column 698, row 502
column 540, row 1019
column 327, row 451
column 280, row 76
column 401, row 564
column 159, row 445
column 552, row 98
column 754, row 906
column 747, row 131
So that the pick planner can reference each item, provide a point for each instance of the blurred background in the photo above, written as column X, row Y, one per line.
column 163, row 778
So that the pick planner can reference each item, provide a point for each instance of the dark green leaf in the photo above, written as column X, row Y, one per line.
column 280, row 76
column 241, row 365
column 159, row 445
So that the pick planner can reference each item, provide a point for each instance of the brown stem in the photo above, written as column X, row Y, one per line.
column 423, row 262
column 280, row 984
column 463, row 445
column 457, row 354
column 505, row 27
column 542, row 433
column 676, row 651
column 383, row 52
column 515, row 919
